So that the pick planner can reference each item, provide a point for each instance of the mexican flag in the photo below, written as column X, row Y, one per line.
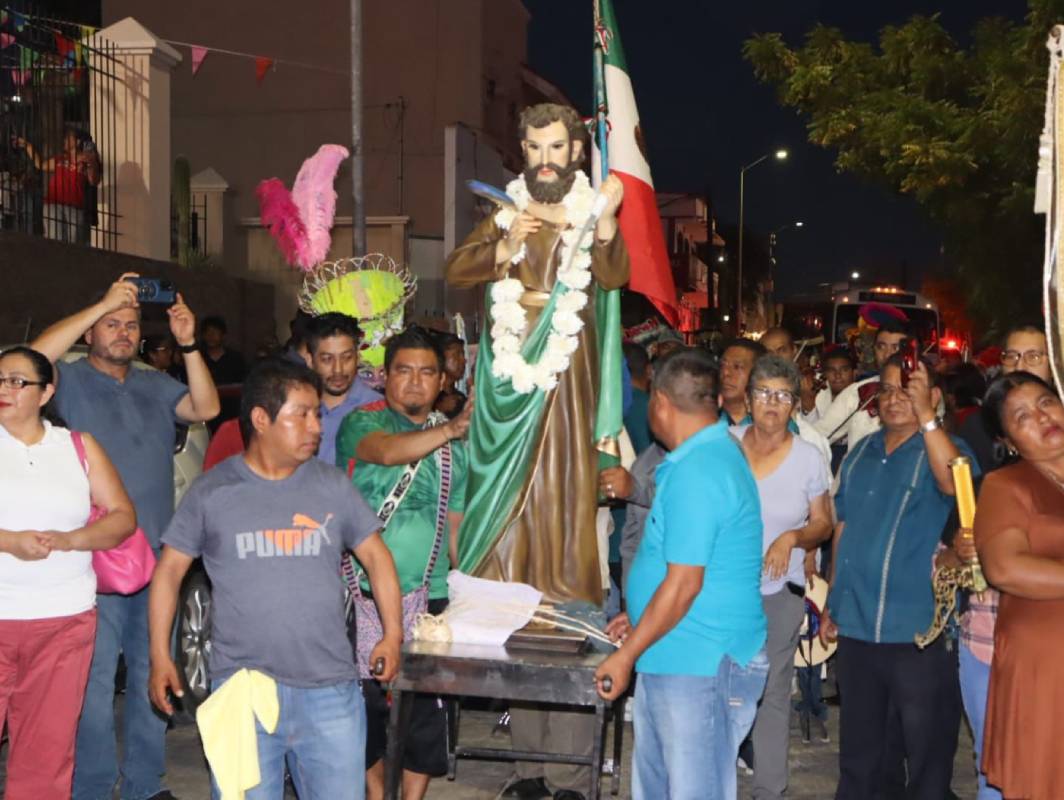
column 639, row 220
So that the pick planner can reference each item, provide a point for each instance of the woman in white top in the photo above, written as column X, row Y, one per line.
column 47, row 586
column 792, row 481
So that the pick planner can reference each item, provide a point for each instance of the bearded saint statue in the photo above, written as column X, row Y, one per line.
column 533, row 482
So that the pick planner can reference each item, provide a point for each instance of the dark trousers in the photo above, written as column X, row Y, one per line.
column 919, row 686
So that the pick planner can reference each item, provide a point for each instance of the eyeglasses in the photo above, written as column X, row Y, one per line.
column 763, row 394
column 1034, row 358
column 17, row 382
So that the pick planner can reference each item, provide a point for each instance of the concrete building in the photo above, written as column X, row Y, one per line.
column 692, row 241
column 428, row 65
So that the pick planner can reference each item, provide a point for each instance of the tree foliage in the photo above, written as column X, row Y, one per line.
column 954, row 126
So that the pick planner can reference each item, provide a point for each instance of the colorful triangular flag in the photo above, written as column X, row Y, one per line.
column 198, row 54
column 26, row 57
column 6, row 40
column 65, row 46
column 639, row 219
column 262, row 66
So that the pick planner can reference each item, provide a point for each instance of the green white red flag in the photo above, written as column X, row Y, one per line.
column 639, row 220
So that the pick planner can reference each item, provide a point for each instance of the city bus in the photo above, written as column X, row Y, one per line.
column 833, row 311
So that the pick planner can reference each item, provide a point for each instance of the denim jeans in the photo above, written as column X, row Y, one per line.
column 809, row 684
column 975, row 682
column 64, row 223
column 321, row 736
column 688, row 729
column 121, row 626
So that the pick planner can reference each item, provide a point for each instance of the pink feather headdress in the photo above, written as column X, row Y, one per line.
column 301, row 221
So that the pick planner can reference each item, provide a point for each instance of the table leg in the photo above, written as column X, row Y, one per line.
column 618, row 743
column 452, row 736
column 597, row 750
column 393, row 762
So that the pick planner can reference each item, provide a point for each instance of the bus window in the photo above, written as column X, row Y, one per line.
column 923, row 323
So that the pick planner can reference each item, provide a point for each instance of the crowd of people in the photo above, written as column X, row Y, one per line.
column 874, row 516
column 755, row 472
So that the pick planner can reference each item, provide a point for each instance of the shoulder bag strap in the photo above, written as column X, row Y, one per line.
column 444, row 457
column 391, row 502
column 79, row 448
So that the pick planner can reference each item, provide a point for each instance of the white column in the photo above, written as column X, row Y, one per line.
column 130, row 118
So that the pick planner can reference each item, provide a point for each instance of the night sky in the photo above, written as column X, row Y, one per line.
column 705, row 116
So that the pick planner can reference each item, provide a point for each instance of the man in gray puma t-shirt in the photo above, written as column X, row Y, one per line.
column 272, row 550
column 270, row 526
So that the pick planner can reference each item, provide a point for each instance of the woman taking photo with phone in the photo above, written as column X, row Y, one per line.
column 1019, row 532
column 47, row 584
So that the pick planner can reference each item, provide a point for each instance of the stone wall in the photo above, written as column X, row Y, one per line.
column 42, row 281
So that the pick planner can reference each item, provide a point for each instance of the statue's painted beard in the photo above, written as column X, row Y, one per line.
column 550, row 192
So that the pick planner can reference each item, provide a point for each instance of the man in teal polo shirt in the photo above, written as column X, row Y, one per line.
column 694, row 594
column 374, row 445
column 895, row 495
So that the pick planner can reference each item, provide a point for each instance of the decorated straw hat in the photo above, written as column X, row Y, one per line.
column 811, row 651
column 372, row 288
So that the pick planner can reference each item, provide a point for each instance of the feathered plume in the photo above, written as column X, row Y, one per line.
column 280, row 215
column 301, row 221
column 315, row 197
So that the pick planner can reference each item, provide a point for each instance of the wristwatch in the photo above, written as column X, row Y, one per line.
column 931, row 425
column 188, row 348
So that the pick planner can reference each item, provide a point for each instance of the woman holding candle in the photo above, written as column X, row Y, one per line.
column 1019, row 532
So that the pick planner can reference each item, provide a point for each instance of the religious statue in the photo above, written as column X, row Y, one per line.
column 533, row 490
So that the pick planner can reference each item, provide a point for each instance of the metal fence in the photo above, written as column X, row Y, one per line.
column 195, row 230
column 58, row 81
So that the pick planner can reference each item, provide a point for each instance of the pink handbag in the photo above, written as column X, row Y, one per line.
column 125, row 569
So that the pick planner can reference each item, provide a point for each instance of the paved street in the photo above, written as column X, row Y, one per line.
column 814, row 767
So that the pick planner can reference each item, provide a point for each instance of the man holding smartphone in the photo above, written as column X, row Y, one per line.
column 133, row 413
column 895, row 495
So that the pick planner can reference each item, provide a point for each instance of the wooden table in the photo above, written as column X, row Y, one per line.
column 460, row 670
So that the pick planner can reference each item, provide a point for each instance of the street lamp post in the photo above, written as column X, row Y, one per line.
column 770, row 300
column 780, row 155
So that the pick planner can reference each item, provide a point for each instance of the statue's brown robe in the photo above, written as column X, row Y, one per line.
column 549, row 539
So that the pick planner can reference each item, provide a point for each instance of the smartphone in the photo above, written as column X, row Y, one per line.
column 910, row 356
column 154, row 290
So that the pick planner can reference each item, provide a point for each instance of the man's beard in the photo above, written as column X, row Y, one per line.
column 333, row 392
column 550, row 192
column 115, row 358
column 412, row 410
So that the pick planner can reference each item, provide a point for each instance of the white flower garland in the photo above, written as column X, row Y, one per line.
column 510, row 321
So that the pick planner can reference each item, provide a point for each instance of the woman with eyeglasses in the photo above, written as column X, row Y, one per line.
column 792, row 481
column 1019, row 533
column 47, row 585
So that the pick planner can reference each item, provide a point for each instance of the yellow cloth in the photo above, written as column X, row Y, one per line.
column 227, row 728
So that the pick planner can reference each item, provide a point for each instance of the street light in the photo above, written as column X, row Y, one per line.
column 720, row 258
column 770, row 303
column 855, row 275
column 780, row 155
